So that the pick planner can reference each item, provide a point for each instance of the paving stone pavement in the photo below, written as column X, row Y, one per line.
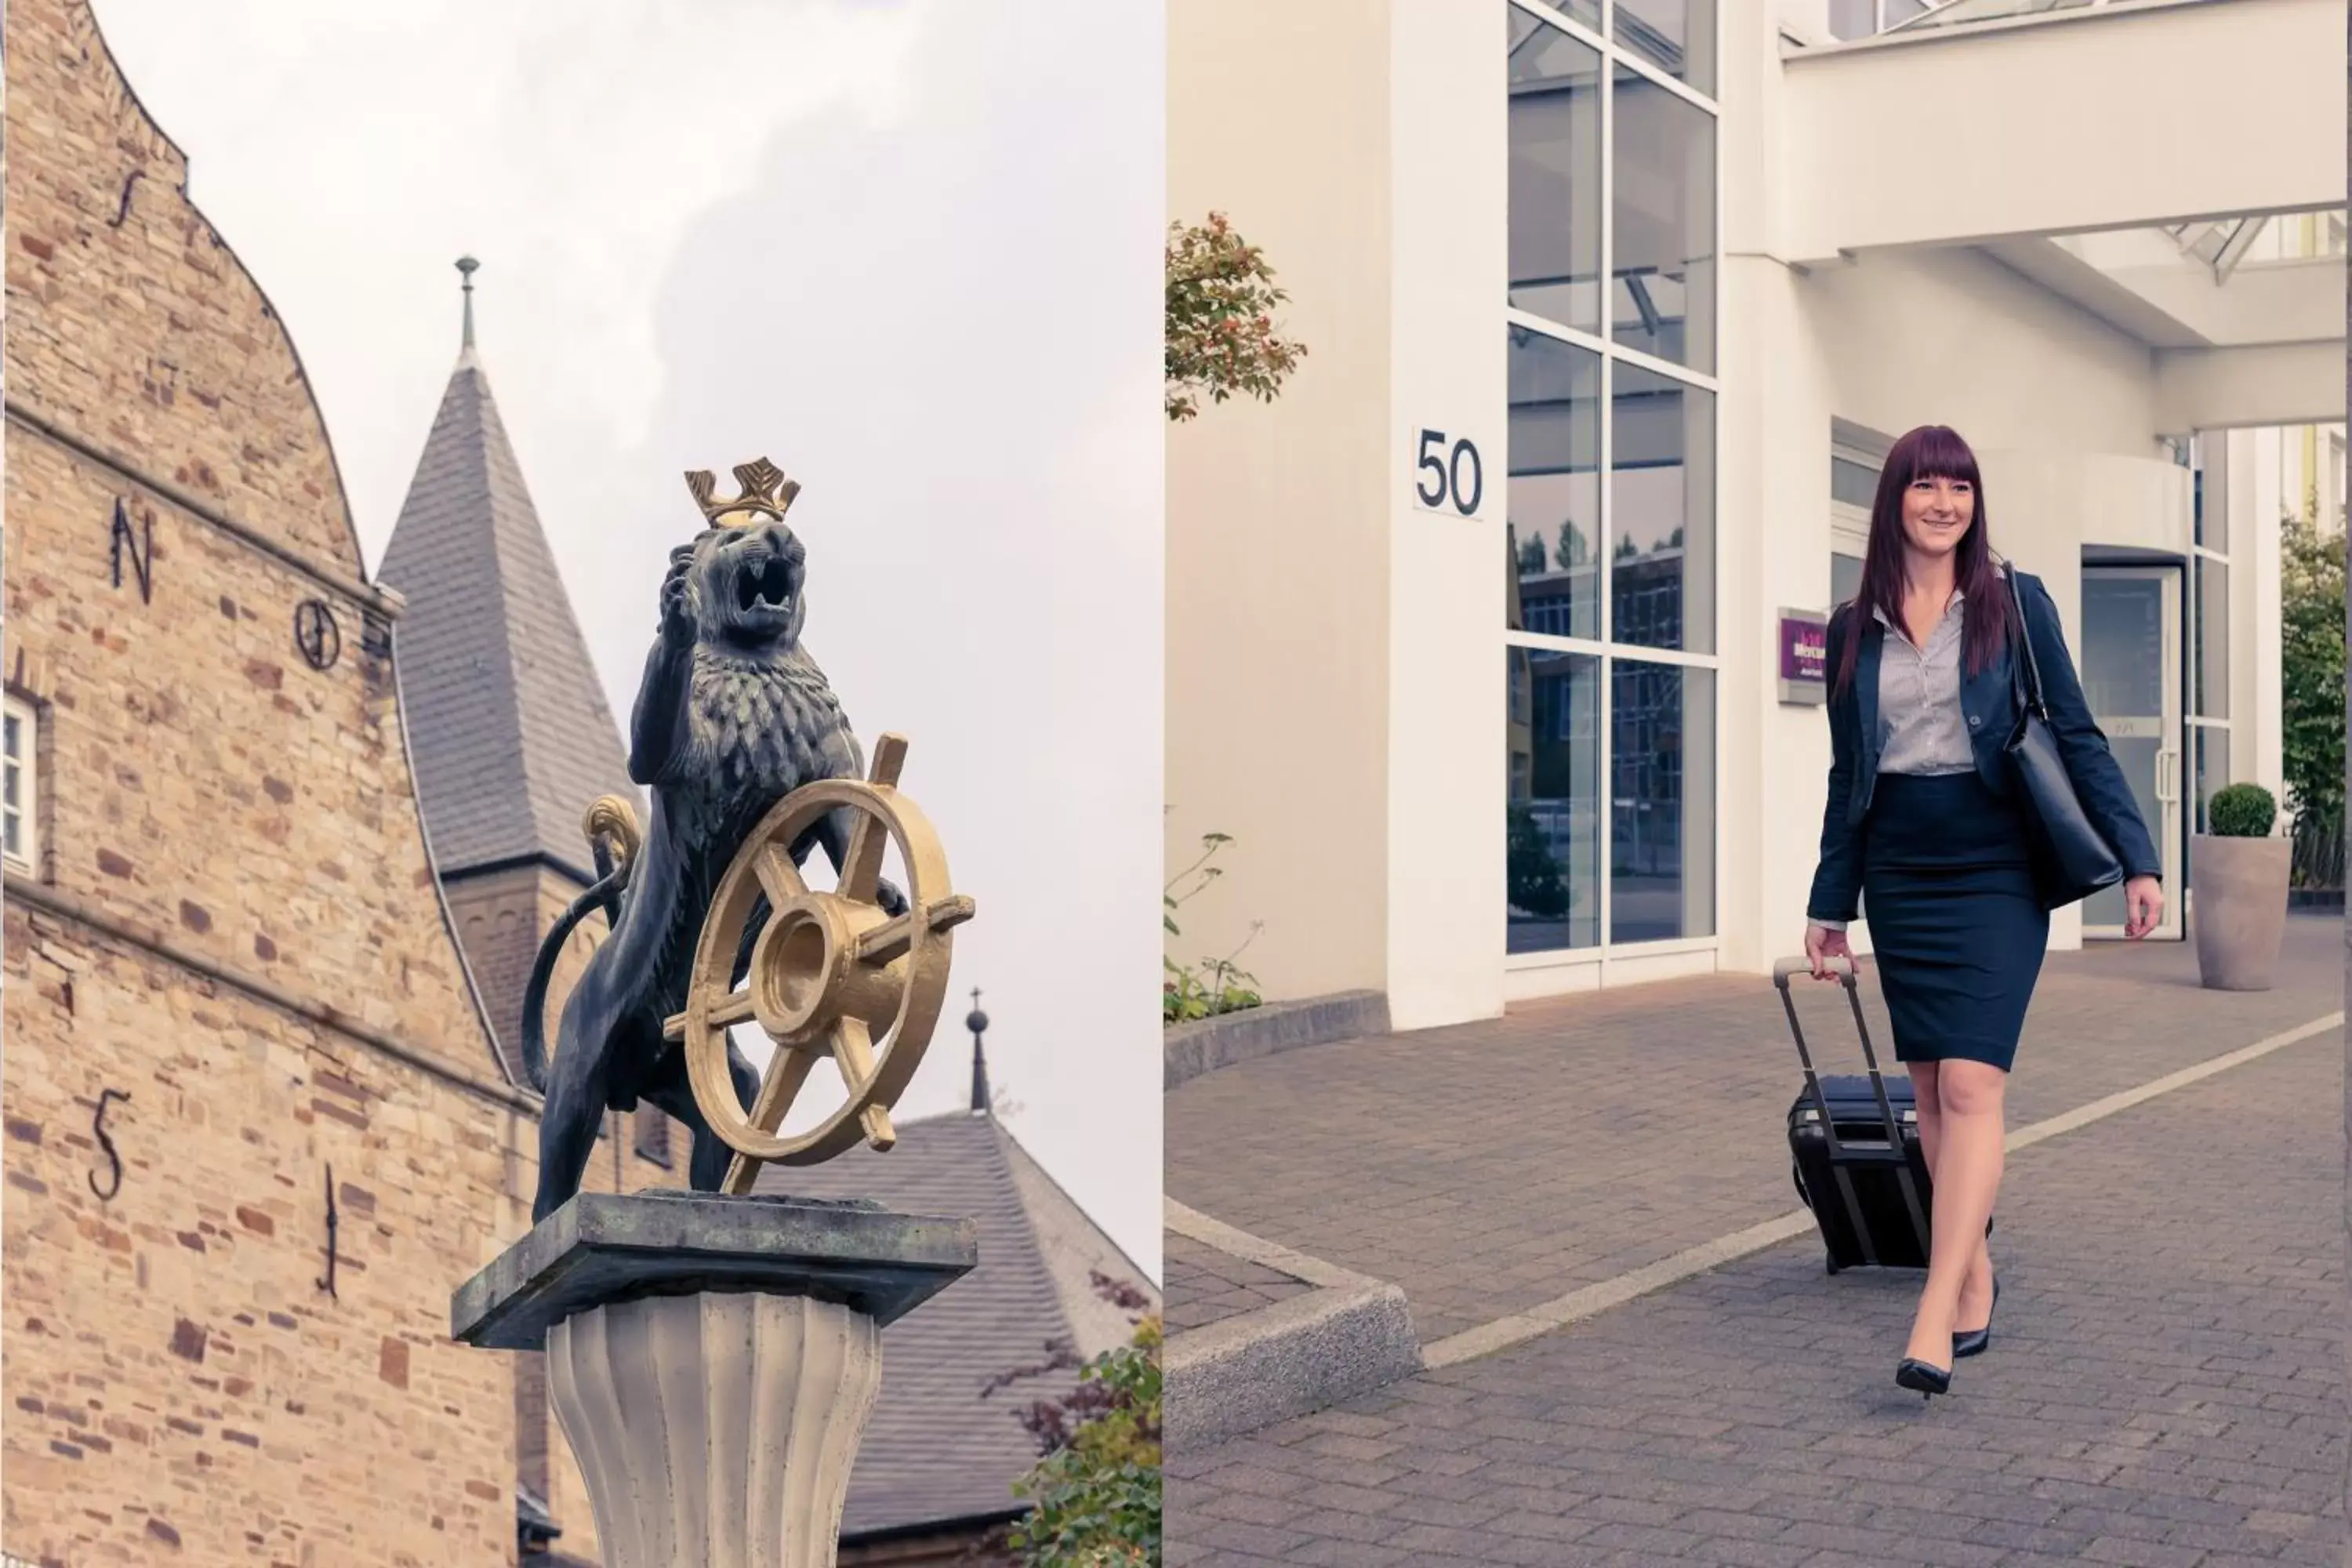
column 2166, row 1387
column 1205, row 1286
column 1490, row 1167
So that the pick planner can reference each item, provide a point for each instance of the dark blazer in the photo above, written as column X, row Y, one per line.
column 1988, row 701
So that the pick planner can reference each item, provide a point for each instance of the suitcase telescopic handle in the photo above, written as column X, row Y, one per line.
column 1841, row 967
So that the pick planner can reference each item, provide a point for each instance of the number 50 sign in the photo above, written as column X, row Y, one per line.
column 1448, row 475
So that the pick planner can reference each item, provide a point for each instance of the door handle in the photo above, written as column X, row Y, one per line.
column 2168, row 784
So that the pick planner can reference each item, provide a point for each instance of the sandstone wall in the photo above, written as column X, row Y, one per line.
column 180, row 1387
column 232, row 920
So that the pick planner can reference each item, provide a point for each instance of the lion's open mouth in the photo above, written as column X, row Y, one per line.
column 768, row 588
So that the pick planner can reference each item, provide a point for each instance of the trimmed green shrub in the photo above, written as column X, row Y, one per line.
column 2241, row 810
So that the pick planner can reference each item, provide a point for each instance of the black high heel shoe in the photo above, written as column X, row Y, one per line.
column 1976, row 1342
column 1923, row 1379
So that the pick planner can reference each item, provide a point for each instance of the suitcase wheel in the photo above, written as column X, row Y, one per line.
column 1833, row 1264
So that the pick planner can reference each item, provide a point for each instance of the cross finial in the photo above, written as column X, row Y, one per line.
column 466, row 268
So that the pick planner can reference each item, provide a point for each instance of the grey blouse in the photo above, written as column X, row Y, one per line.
column 1921, row 729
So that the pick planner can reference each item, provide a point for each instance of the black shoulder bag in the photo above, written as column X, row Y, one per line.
column 2074, row 861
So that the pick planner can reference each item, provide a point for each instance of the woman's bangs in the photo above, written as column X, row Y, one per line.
column 1940, row 454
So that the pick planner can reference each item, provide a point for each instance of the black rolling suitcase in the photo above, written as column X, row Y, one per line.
column 1854, row 1148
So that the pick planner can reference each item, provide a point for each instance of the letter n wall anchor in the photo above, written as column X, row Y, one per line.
column 139, row 545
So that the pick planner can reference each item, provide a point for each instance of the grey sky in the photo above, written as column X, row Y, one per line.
column 910, row 251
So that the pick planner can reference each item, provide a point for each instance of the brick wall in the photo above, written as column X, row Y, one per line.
column 233, row 922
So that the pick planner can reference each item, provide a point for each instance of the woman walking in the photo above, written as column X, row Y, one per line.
column 1928, row 826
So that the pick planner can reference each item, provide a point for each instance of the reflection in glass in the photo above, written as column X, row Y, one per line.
column 1555, row 172
column 2140, row 756
column 1676, row 35
column 1845, row 577
column 1661, row 298
column 1662, row 801
column 1585, row 11
column 1853, row 484
column 2212, row 764
column 2122, row 647
column 2124, row 678
column 1960, row 13
column 2209, row 658
column 1554, row 812
column 1662, row 500
column 1555, row 486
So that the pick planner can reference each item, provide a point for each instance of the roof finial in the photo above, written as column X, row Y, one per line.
column 466, row 268
column 978, row 1024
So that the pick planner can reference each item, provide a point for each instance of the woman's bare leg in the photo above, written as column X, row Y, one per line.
column 1976, row 1294
column 1961, row 1134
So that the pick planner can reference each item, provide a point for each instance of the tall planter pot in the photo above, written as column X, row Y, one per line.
column 2238, row 897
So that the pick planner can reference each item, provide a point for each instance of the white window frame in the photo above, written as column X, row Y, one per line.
column 1567, row 963
column 24, row 766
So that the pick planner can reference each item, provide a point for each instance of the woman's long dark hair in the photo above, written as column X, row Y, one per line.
column 1930, row 452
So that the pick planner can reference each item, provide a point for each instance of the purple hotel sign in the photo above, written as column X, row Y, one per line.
column 1803, row 638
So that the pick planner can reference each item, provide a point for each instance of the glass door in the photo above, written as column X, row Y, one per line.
column 2131, row 674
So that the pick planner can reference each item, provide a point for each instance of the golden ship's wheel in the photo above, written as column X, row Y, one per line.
column 831, row 975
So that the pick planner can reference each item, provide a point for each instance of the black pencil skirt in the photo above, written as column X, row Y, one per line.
column 1954, row 924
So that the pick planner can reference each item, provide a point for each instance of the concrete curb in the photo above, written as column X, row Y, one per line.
column 1299, row 1355
column 1347, row 1336
column 1191, row 1049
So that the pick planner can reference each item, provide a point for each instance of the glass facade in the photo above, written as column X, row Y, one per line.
column 1845, row 578
column 2209, row 658
column 2212, row 744
column 1662, row 801
column 1675, row 36
column 1610, row 632
column 1555, row 486
column 1662, row 240
column 1662, row 512
column 1555, row 803
column 1555, row 176
column 1850, row 19
column 1853, row 484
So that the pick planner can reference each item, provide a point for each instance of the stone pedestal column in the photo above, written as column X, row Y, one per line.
column 712, row 1360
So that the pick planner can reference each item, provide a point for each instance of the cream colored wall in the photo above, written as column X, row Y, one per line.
column 2261, row 384
column 1448, row 766
column 1278, row 568
column 1773, row 423
column 2052, row 126
column 1953, row 337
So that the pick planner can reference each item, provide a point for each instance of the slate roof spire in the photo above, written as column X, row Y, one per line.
column 466, row 268
column 507, row 719
column 978, row 1024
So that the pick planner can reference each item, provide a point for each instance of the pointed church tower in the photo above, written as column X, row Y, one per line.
column 512, row 737
column 508, row 720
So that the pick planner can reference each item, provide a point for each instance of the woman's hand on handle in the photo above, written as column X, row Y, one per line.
column 1821, row 944
column 2143, row 906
